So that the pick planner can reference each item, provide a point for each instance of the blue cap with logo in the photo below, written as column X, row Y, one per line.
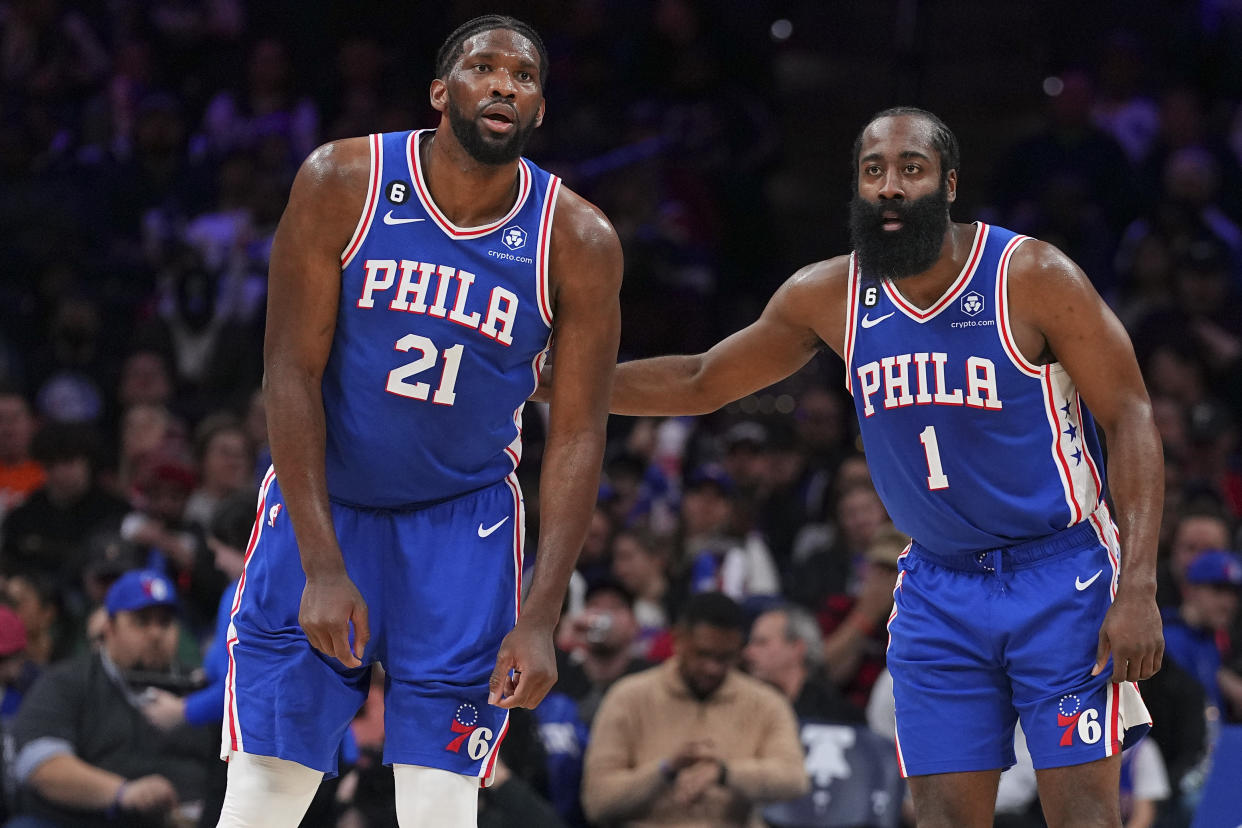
column 1215, row 566
column 139, row 589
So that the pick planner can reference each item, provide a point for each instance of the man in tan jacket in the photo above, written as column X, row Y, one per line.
column 693, row 742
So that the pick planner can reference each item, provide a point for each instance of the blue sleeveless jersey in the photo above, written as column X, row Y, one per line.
column 440, row 336
column 970, row 446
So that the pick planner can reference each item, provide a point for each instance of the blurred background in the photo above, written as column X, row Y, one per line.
column 147, row 148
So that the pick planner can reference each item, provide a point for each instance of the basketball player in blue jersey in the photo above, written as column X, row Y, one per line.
column 979, row 361
column 417, row 282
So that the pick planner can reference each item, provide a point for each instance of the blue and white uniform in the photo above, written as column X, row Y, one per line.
column 993, row 466
column 440, row 336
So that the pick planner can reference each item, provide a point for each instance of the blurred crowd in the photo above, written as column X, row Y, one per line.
column 742, row 558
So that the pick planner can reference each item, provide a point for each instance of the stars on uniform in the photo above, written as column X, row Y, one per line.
column 1071, row 430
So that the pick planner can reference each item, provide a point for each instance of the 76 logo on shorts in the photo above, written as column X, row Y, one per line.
column 466, row 723
column 1072, row 717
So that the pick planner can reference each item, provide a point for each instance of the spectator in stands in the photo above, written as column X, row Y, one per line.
column 693, row 741
column 717, row 558
column 640, row 564
column 601, row 641
column 20, row 473
column 1200, row 527
column 17, row 671
column 85, row 753
column 37, row 601
column 225, row 464
column 1144, row 784
column 1194, row 633
column 46, row 533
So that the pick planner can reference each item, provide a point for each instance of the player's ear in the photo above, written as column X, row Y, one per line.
column 951, row 185
column 543, row 105
column 439, row 95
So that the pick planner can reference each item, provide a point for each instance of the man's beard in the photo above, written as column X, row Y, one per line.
column 897, row 254
column 488, row 148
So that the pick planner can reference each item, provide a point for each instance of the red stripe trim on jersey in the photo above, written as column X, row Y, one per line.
column 1095, row 473
column 230, row 684
column 519, row 520
column 1002, row 311
column 368, row 209
column 1076, row 516
column 851, row 318
column 491, row 762
column 901, row 760
column 958, row 285
column 545, row 251
column 424, row 195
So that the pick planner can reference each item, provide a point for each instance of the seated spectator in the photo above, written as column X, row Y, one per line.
column 46, row 533
column 719, row 560
column 855, row 626
column 225, row 464
column 694, row 741
column 828, row 559
column 640, row 564
column 1200, row 527
column 601, row 641
column 20, row 473
column 37, row 601
column 84, row 751
column 1193, row 633
column 786, row 650
column 17, row 671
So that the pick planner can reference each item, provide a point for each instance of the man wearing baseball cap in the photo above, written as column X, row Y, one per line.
column 85, row 752
column 1194, row 631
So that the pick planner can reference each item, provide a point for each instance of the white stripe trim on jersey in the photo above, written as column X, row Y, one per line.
column 1095, row 472
column 230, row 728
column 1003, row 326
column 1075, row 481
column 424, row 194
column 851, row 318
column 1113, row 736
column 488, row 766
column 959, row 284
column 544, row 254
column 368, row 208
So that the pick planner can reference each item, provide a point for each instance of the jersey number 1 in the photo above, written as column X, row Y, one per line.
column 429, row 354
column 936, row 478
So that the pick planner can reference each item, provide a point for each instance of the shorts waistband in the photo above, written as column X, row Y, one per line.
column 1018, row 556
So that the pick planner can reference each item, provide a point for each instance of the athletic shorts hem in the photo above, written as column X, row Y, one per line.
column 328, row 768
column 1067, row 760
column 962, row 765
column 447, row 762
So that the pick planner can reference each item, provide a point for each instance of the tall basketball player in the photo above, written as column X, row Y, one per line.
column 980, row 362
column 417, row 282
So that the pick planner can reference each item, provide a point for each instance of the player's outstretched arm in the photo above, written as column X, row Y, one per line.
column 303, row 292
column 586, row 264
column 777, row 344
column 1051, row 294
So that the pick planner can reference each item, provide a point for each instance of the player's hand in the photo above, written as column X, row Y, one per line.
column 148, row 794
column 1133, row 634
column 329, row 604
column 698, row 750
column 525, row 667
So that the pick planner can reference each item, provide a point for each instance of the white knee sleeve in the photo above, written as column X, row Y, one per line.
column 266, row 792
column 434, row 798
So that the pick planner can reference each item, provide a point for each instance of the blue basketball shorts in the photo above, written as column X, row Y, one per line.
column 977, row 640
column 441, row 585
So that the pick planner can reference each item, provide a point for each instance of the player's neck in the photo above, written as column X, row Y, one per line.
column 467, row 192
column 923, row 289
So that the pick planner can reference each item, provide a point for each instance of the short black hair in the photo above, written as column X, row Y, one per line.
column 61, row 442
column 454, row 44
column 942, row 138
column 715, row 609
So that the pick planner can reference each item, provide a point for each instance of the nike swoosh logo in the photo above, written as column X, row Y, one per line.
column 1080, row 584
column 483, row 533
column 388, row 219
column 867, row 323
